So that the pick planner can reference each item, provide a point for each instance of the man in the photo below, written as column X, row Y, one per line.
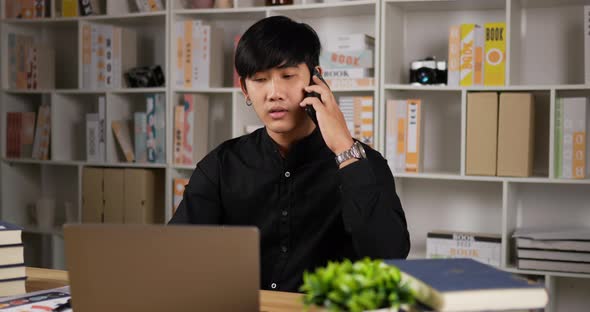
column 301, row 186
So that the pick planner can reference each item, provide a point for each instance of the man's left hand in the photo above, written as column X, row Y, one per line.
column 330, row 118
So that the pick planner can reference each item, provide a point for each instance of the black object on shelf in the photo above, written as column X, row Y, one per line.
column 145, row 77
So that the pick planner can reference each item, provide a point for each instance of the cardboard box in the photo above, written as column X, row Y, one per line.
column 516, row 135
column 92, row 195
column 482, row 133
column 143, row 201
column 114, row 195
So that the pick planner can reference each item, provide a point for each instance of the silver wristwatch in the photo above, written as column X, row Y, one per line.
column 356, row 151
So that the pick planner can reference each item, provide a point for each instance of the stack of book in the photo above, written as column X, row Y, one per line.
column 107, row 53
column 404, row 135
column 358, row 113
column 199, row 48
column 31, row 65
column 24, row 137
column 570, row 138
column 483, row 247
column 348, row 61
column 12, row 267
column 563, row 249
column 477, row 55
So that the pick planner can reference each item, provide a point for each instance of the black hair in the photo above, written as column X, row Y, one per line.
column 276, row 41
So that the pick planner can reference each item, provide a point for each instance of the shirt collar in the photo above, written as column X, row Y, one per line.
column 305, row 150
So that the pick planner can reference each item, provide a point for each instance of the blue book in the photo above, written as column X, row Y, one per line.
column 10, row 234
column 468, row 285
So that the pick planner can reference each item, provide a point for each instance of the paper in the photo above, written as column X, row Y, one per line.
column 40, row 301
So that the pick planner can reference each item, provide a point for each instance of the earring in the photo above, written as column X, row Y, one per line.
column 248, row 102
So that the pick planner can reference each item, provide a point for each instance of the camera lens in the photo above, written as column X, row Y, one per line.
column 425, row 75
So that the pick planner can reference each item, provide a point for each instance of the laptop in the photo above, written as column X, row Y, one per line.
column 162, row 268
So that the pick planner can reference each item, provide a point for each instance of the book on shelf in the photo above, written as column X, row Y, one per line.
column 516, row 122
column 140, row 136
column 69, row 8
column 123, row 138
column 358, row 114
column 495, row 54
column 27, row 9
column 552, row 265
column 178, row 133
column 92, row 138
column 404, row 135
column 454, row 57
column 42, row 132
column 553, row 255
column 107, row 53
column 156, row 128
column 587, row 43
column 31, row 65
column 570, row 137
column 199, row 61
column 472, row 48
column 482, row 133
column 121, row 195
column 149, row 5
column 195, row 128
column 414, row 132
column 91, row 7
column 469, row 285
column 395, row 134
column 483, row 247
column 572, row 238
column 349, row 42
column 92, row 195
column 178, row 189
column 11, row 254
column 347, row 59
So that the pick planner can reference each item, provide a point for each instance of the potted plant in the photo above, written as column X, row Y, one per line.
column 364, row 285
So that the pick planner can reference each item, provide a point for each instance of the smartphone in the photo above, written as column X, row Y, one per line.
column 309, row 108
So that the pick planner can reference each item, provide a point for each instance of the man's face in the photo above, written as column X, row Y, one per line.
column 276, row 94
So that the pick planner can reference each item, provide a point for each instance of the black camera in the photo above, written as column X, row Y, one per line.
column 145, row 77
column 428, row 71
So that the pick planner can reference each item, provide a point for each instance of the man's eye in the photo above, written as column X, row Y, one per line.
column 288, row 76
column 259, row 79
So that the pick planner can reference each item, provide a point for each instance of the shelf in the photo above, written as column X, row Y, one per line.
column 409, row 87
column 456, row 176
column 449, row 5
column 41, row 162
column 123, row 165
column 23, row 91
column 317, row 10
column 207, row 90
column 137, row 90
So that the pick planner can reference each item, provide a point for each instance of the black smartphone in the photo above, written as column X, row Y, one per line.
column 309, row 108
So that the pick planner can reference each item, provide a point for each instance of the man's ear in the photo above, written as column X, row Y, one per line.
column 319, row 70
column 243, row 86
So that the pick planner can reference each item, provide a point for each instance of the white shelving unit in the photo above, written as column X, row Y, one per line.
column 545, row 56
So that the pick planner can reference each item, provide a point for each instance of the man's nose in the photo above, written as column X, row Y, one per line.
column 276, row 91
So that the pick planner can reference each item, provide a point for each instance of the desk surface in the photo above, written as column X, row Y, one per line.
column 41, row 279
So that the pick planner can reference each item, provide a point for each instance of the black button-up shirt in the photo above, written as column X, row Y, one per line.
column 308, row 210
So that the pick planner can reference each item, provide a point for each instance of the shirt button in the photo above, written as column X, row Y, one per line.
column 273, row 286
column 287, row 174
column 285, row 213
column 284, row 249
